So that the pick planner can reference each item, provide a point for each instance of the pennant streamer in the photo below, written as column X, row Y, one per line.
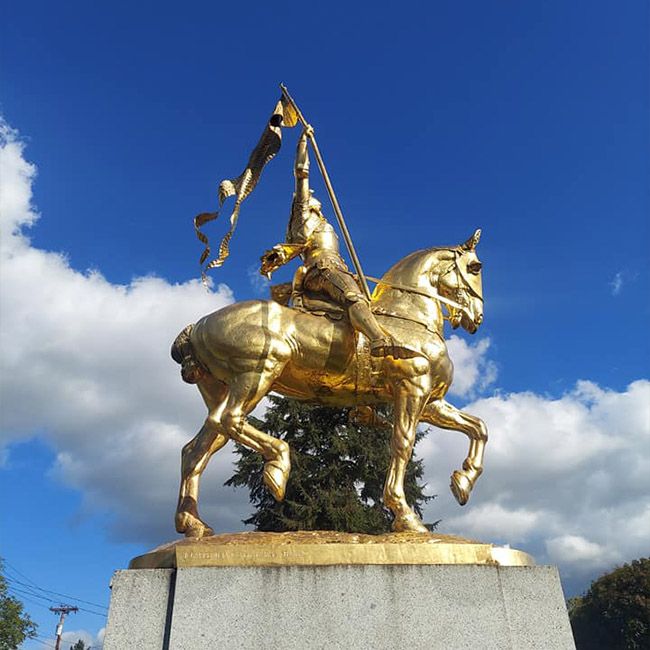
column 240, row 187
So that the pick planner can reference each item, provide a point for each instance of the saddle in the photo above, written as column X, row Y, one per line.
column 292, row 295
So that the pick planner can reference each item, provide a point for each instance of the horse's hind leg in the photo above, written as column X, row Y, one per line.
column 442, row 414
column 195, row 457
column 245, row 391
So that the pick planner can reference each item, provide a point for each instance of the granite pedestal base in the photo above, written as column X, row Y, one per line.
column 390, row 607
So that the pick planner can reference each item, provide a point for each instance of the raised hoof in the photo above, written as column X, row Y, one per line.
column 409, row 523
column 461, row 487
column 276, row 474
column 192, row 526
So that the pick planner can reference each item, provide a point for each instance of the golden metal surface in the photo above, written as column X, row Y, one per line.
column 386, row 349
column 326, row 548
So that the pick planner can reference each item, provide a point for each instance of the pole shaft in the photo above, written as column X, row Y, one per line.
column 59, row 631
column 332, row 195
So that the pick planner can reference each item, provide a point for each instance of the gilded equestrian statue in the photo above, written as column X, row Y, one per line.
column 242, row 352
column 336, row 343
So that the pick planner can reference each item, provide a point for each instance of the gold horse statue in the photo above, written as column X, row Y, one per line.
column 240, row 353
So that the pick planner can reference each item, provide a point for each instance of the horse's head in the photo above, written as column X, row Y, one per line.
column 415, row 287
column 458, row 278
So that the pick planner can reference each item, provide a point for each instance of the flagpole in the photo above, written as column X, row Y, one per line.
column 330, row 191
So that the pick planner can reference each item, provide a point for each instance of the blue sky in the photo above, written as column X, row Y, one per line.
column 529, row 120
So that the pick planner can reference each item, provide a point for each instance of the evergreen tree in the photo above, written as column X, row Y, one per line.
column 79, row 645
column 337, row 475
column 15, row 624
column 615, row 611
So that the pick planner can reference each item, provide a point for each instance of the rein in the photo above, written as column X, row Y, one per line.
column 420, row 292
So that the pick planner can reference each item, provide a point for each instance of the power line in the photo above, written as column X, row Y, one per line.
column 30, row 592
column 44, row 641
column 29, row 600
column 48, row 591
column 9, row 564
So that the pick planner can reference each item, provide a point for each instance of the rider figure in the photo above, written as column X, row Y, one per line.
column 324, row 273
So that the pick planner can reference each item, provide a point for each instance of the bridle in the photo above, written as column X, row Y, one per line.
column 417, row 290
column 451, row 305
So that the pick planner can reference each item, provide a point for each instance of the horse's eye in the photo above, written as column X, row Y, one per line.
column 474, row 267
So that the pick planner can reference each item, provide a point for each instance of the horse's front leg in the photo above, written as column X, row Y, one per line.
column 442, row 414
column 410, row 398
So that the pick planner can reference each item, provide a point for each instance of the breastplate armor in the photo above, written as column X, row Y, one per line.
column 315, row 231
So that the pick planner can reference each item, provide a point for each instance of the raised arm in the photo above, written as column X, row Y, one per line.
column 301, row 172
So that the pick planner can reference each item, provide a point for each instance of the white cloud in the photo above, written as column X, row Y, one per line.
column 567, row 479
column 616, row 284
column 473, row 371
column 574, row 549
column 96, row 642
column 85, row 363
column 258, row 283
column 491, row 520
column 621, row 279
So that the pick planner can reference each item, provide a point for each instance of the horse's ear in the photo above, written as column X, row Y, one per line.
column 471, row 243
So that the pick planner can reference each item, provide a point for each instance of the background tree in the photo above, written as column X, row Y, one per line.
column 615, row 611
column 337, row 475
column 79, row 645
column 15, row 624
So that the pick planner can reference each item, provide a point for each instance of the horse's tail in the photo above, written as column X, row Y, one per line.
column 192, row 370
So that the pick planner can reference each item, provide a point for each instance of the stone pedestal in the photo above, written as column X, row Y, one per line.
column 381, row 606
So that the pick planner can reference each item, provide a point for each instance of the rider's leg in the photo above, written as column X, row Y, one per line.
column 364, row 321
column 381, row 343
column 341, row 288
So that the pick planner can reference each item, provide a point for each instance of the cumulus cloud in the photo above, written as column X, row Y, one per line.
column 68, row 639
column 567, row 479
column 474, row 372
column 85, row 363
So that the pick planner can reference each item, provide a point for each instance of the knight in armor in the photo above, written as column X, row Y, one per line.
column 324, row 275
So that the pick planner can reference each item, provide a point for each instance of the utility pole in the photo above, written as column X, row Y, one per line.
column 63, row 610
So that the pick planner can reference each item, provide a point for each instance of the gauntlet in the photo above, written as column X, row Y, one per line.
column 278, row 256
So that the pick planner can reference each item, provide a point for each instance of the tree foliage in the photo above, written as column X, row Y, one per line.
column 337, row 475
column 79, row 645
column 615, row 611
column 15, row 624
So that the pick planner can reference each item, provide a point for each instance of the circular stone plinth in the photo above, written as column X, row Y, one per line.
column 323, row 548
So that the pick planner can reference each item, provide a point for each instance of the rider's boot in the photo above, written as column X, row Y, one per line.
column 381, row 343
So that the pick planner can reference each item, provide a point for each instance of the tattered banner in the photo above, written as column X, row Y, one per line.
column 240, row 187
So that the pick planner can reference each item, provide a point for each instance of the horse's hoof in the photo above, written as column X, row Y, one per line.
column 191, row 526
column 461, row 487
column 276, row 474
column 409, row 523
